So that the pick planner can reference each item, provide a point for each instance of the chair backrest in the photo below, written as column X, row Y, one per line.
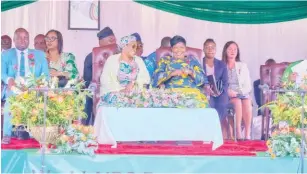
column 271, row 75
column 166, row 51
column 277, row 73
column 100, row 55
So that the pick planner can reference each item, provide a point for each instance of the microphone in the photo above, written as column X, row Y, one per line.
column 270, row 72
column 265, row 88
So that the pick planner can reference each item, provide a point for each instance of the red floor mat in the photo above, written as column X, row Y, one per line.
column 21, row 144
column 229, row 148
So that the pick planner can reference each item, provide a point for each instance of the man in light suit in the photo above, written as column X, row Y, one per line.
column 19, row 62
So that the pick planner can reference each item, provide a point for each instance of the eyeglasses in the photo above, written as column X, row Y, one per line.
column 50, row 39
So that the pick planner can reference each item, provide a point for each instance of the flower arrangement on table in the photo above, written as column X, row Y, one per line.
column 156, row 98
column 287, row 109
column 77, row 138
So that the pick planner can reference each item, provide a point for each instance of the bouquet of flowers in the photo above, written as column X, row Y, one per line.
column 285, row 142
column 77, row 138
column 157, row 98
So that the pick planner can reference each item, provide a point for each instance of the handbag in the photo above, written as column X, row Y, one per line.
column 20, row 132
column 62, row 81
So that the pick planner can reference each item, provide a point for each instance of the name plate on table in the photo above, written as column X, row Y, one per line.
column 158, row 124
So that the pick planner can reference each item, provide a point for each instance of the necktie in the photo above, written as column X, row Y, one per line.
column 22, row 65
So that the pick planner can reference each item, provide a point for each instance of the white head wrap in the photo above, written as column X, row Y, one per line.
column 124, row 41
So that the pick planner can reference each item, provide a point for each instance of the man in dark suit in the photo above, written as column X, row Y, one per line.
column 106, row 37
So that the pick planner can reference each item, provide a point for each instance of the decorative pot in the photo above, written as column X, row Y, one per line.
column 51, row 135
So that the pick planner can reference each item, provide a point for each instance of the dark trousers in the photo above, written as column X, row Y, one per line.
column 220, row 104
column 89, row 112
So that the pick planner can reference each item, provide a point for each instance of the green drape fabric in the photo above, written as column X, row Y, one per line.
column 8, row 5
column 237, row 12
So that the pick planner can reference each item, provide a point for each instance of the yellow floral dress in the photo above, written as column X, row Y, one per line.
column 184, row 83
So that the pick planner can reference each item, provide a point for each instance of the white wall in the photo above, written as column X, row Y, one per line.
column 282, row 41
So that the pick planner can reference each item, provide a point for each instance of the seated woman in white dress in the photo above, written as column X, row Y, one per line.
column 122, row 73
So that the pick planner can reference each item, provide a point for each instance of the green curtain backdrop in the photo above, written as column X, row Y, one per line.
column 238, row 12
column 8, row 5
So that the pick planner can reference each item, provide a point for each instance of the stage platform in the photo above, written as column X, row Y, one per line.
column 161, row 157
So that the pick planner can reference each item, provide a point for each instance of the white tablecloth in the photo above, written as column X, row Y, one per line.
column 157, row 124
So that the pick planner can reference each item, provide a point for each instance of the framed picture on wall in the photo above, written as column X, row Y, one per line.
column 84, row 15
